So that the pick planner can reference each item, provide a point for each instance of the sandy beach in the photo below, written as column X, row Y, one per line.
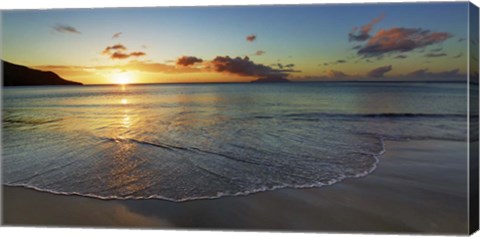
column 419, row 186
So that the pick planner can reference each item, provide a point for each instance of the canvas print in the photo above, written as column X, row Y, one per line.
column 314, row 117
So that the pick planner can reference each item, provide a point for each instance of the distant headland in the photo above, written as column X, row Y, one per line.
column 17, row 75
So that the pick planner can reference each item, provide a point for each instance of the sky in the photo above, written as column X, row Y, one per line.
column 414, row 41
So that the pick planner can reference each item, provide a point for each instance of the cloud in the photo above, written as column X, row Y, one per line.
column 418, row 73
column 118, row 47
column 363, row 33
column 332, row 74
column 328, row 75
column 435, row 55
column 340, row 61
column 436, row 50
column 251, row 38
column 246, row 67
column 401, row 56
column 121, row 55
column 133, row 65
column 458, row 55
column 260, row 52
column 188, row 60
column 400, row 40
column 116, row 35
column 117, row 51
column 158, row 67
column 58, row 67
column 282, row 66
column 66, row 29
column 380, row 71
column 137, row 54
column 426, row 74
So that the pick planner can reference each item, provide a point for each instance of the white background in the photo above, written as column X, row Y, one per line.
column 73, row 232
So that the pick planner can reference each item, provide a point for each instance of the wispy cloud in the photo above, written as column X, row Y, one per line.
column 251, row 38
column 116, row 47
column 260, row 52
column 380, row 71
column 435, row 55
column 327, row 75
column 436, row 49
column 458, row 55
column 400, row 40
column 133, row 65
column 340, row 61
column 61, row 28
column 426, row 74
column 363, row 33
column 283, row 66
column 334, row 74
column 116, row 35
column 158, row 67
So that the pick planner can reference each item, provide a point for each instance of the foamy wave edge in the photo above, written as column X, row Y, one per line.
column 220, row 194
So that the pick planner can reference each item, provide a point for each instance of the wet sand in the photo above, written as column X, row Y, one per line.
column 418, row 186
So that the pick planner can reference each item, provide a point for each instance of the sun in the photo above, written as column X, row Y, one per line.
column 122, row 78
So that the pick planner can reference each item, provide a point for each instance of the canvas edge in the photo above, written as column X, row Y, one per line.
column 473, row 111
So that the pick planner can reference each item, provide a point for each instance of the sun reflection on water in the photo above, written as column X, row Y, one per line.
column 124, row 174
column 126, row 122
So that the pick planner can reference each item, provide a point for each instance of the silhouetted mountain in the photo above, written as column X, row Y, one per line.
column 270, row 80
column 16, row 75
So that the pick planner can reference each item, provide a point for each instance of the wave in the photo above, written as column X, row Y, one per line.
column 372, row 115
column 31, row 121
column 218, row 194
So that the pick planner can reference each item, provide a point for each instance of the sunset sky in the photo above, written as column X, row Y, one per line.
column 228, row 44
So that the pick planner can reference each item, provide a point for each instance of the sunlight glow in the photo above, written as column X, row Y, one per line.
column 122, row 78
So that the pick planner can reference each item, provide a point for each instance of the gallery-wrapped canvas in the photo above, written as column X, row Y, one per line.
column 314, row 117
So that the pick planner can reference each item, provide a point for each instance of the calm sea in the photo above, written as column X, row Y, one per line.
column 185, row 142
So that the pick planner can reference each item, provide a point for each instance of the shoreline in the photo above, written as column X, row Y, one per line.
column 408, row 192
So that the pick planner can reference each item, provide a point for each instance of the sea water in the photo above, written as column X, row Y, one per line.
column 198, row 141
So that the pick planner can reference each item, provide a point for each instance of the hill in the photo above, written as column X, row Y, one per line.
column 17, row 75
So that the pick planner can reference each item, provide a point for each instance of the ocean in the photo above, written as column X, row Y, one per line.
column 201, row 141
